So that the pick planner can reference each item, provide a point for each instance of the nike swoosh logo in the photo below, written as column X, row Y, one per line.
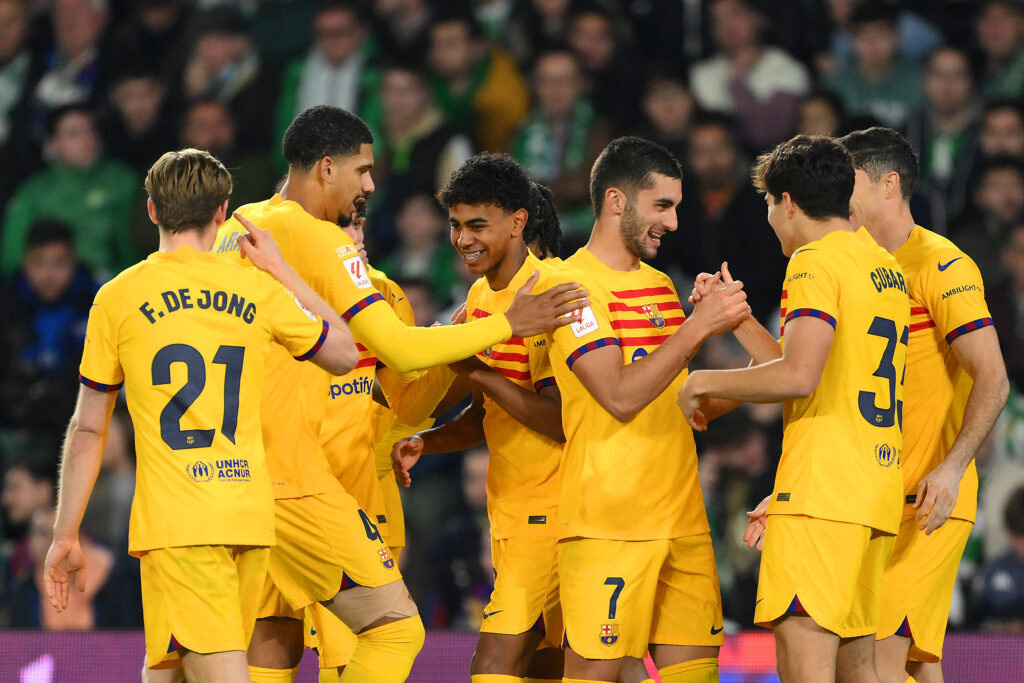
column 758, row 602
column 943, row 266
column 716, row 631
column 491, row 614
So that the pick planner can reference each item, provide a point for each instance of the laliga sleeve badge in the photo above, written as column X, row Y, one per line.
column 357, row 271
column 586, row 324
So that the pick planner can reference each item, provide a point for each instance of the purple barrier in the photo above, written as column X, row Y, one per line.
column 40, row 657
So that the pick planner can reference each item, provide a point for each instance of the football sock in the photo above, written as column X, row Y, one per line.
column 385, row 653
column 495, row 678
column 259, row 674
column 330, row 675
column 693, row 671
column 910, row 679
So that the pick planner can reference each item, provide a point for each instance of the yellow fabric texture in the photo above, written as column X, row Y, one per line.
column 496, row 678
column 834, row 568
column 624, row 595
column 658, row 494
column 331, row 675
column 385, row 654
column 525, row 588
column 841, row 444
column 944, row 304
column 332, row 639
column 693, row 671
column 190, row 334
column 918, row 584
column 522, row 474
column 199, row 598
column 325, row 257
column 388, row 431
column 260, row 674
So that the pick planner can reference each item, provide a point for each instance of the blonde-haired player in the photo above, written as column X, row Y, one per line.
column 188, row 334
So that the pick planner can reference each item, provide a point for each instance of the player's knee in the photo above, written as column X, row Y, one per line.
column 492, row 655
column 362, row 608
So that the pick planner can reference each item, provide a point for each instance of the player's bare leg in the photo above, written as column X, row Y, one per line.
column 216, row 667
column 591, row 669
column 172, row 675
column 505, row 654
column 926, row 672
column 633, row 671
column 276, row 643
column 891, row 659
column 689, row 663
column 855, row 661
column 547, row 664
column 804, row 651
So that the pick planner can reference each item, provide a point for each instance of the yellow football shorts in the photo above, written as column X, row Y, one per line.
column 831, row 571
column 918, row 583
column 525, row 595
column 324, row 543
column 620, row 596
column 199, row 598
column 394, row 534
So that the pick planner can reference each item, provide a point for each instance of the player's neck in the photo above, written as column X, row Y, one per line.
column 304, row 192
column 201, row 240
column 501, row 275
column 812, row 230
column 892, row 230
column 606, row 244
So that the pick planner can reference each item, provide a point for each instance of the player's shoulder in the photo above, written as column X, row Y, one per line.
column 934, row 251
column 657, row 277
column 572, row 269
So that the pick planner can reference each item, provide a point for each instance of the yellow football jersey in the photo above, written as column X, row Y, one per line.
column 841, row 445
column 623, row 481
column 947, row 299
column 189, row 334
column 522, row 474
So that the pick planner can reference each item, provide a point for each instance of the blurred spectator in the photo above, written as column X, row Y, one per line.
column 404, row 26
column 761, row 85
column 422, row 252
column 879, row 81
column 415, row 148
column 669, row 108
column 1002, row 129
column 29, row 483
column 1006, row 303
column 16, row 64
column 423, row 301
column 477, row 85
column 1000, row 32
column 600, row 38
column 998, row 197
column 944, row 132
column 562, row 137
column 336, row 71
column 820, row 113
column 224, row 64
column 80, row 187
column 917, row 37
column 45, row 310
column 999, row 592
column 153, row 37
column 534, row 26
column 31, row 607
column 722, row 218
column 281, row 28
column 139, row 127
column 106, row 517
column 76, row 65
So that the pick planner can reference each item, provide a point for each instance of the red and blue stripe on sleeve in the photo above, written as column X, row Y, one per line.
column 812, row 312
column 376, row 296
column 544, row 382
column 99, row 386
column 968, row 327
column 316, row 347
column 586, row 348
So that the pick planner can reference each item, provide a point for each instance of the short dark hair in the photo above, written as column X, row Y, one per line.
column 543, row 227
column 1001, row 103
column 39, row 467
column 1000, row 162
column 355, row 8
column 323, row 131
column 48, row 231
column 878, row 151
column 1014, row 513
column 56, row 115
column 717, row 119
column 488, row 178
column 630, row 163
column 872, row 11
column 458, row 12
column 816, row 171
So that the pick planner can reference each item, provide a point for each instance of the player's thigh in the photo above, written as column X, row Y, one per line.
column 688, row 602
column 607, row 592
column 804, row 651
column 199, row 598
column 525, row 594
column 855, row 661
column 891, row 658
column 217, row 667
column 509, row 655
column 926, row 672
column 811, row 567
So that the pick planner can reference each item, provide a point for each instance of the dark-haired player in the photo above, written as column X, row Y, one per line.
column 635, row 560
column 835, row 506
column 490, row 203
column 328, row 549
column 956, row 386
column 543, row 231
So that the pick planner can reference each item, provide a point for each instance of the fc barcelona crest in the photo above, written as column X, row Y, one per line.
column 386, row 559
column 609, row 634
column 653, row 314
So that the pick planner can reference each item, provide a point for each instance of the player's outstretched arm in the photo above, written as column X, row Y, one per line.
column 80, row 464
column 464, row 431
column 979, row 353
column 624, row 390
column 795, row 375
column 757, row 341
column 338, row 355
column 541, row 410
column 414, row 400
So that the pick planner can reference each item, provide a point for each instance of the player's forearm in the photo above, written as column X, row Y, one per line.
column 413, row 402
column 539, row 412
column 758, row 342
column 80, row 465
column 984, row 404
column 770, row 382
column 464, row 431
column 404, row 348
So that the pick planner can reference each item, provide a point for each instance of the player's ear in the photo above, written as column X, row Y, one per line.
column 790, row 205
column 151, row 210
column 222, row 213
column 614, row 201
column 326, row 171
column 892, row 184
column 519, row 219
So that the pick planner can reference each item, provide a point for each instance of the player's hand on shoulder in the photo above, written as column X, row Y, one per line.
column 936, row 496
column 258, row 246
column 753, row 535
column 64, row 560
column 404, row 454
column 532, row 314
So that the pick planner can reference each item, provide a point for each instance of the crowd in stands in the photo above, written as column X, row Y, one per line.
column 93, row 91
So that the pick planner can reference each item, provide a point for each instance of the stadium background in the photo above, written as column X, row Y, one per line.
column 93, row 91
